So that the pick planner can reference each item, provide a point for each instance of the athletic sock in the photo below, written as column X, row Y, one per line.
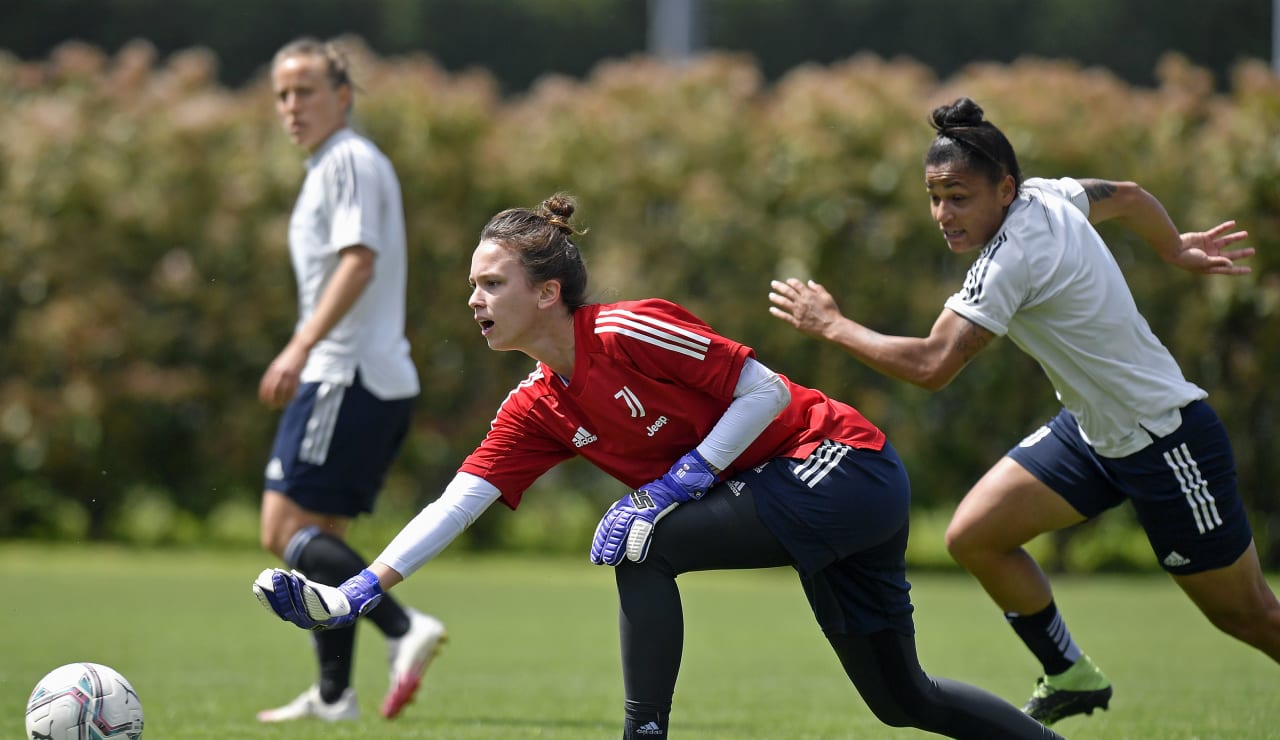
column 329, row 560
column 645, row 722
column 334, row 651
column 1046, row 635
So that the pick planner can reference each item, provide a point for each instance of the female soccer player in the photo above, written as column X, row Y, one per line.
column 766, row 473
column 345, row 378
column 1132, row 428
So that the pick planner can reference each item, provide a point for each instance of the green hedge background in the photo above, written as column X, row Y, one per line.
column 520, row 40
column 144, row 280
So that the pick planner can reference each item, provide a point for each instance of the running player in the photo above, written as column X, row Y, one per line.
column 1132, row 428
column 767, row 473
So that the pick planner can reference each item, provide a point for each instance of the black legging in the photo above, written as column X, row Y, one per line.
column 722, row 532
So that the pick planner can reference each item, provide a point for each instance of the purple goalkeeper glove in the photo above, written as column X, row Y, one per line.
column 627, row 528
column 315, row 606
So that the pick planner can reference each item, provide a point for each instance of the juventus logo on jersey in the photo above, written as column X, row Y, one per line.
column 633, row 401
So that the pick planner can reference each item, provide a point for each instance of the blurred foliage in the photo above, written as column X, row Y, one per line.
column 144, row 282
column 518, row 41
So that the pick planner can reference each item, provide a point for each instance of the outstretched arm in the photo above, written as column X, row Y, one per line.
column 310, row 605
column 1140, row 212
column 439, row 523
column 930, row 362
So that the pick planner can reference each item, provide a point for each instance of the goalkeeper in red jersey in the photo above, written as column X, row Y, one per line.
column 732, row 465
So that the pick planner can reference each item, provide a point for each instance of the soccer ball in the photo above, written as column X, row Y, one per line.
column 84, row 701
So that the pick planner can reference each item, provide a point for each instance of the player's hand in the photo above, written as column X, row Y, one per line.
column 280, row 381
column 315, row 606
column 627, row 528
column 807, row 306
column 1205, row 251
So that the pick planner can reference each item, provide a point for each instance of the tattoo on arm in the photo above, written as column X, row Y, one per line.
column 1097, row 190
column 972, row 340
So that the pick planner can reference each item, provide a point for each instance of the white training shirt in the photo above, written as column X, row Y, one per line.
column 1050, row 283
column 351, row 196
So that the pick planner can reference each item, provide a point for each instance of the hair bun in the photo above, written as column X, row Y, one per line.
column 962, row 113
column 558, row 210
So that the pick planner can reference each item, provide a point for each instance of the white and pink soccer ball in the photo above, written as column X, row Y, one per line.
column 84, row 701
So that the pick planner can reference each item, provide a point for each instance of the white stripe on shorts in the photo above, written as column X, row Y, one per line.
column 1196, row 489
column 820, row 462
column 324, row 418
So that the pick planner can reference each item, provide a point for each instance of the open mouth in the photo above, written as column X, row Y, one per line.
column 485, row 326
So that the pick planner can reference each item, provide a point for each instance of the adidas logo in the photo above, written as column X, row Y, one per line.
column 649, row 728
column 582, row 438
column 1175, row 560
column 736, row 486
column 275, row 469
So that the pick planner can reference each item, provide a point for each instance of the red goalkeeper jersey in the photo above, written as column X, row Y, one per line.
column 650, row 380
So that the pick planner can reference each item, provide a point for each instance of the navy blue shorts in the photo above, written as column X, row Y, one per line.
column 842, row 515
column 334, row 445
column 1183, row 486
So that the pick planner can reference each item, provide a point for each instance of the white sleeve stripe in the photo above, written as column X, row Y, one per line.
column 343, row 169
column 355, row 178
column 658, row 333
column 661, row 325
column 651, row 340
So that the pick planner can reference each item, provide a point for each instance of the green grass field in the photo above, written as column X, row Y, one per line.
column 533, row 651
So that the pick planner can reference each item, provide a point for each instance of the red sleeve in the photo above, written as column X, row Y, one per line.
column 518, row 448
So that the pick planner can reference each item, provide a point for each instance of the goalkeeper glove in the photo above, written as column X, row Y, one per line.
column 627, row 528
column 315, row 606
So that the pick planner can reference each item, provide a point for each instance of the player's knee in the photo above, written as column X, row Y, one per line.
column 268, row 544
column 654, row 567
column 892, row 715
column 272, row 542
column 954, row 541
column 963, row 545
column 668, row 559
column 897, row 709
